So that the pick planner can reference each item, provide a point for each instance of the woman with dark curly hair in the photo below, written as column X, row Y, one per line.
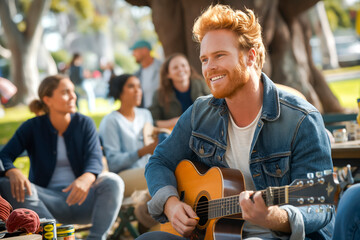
column 121, row 133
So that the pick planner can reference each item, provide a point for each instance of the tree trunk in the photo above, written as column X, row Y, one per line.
column 24, row 48
column 285, row 34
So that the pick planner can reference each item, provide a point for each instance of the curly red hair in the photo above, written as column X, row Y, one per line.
column 244, row 24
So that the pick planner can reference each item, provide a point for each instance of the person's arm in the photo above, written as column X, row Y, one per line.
column 19, row 184
column 170, row 123
column 91, row 148
column 79, row 189
column 255, row 211
column 159, row 172
column 311, row 150
column 182, row 216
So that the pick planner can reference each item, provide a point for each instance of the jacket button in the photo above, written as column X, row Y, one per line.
column 222, row 133
column 278, row 171
column 201, row 151
column 219, row 158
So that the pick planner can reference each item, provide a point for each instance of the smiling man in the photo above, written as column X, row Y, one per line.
column 248, row 124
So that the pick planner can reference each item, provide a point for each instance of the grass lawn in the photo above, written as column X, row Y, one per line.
column 347, row 92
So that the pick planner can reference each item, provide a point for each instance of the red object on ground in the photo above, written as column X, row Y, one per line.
column 5, row 209
column 23, row 219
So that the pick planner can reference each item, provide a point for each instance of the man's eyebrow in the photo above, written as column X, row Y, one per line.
column 214, row 53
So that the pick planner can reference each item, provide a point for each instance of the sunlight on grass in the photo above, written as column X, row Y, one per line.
column 15, row 116
column 23, row 164
column 347, row 92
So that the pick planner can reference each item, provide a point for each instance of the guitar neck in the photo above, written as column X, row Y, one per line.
column 230, row 205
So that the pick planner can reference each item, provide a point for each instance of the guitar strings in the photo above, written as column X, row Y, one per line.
column 219, row 205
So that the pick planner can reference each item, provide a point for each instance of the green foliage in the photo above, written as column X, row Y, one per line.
column 90, row 20
column 83, row 8
column 98, row 22
column 58, row 6
column 337, row 15
column 126, row 62
column 61, row 56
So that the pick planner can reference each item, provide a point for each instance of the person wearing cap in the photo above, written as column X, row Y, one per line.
column 149, row 72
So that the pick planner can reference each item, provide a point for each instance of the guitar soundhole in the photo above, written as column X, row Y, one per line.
column 202, row 210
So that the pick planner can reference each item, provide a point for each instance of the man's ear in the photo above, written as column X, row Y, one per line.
column 251, row 57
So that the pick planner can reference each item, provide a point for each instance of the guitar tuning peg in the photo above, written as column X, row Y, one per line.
column 309, row 209
column 350, row 178
column 311, row 200
column 321, row 199
column 327, row 172
column 329, row 208
column 319, row 174
column 310, row 182
column 310, row 175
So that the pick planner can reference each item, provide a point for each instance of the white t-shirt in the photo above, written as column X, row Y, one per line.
column 237, row 156
column 238, row 149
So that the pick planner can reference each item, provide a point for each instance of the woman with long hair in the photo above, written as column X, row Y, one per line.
column 180, row 85
column 65, row 181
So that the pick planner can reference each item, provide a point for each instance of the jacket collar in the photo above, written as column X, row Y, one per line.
column 271, row 104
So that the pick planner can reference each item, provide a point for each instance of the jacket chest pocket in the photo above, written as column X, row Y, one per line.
column 204, row 150
column 276, row 171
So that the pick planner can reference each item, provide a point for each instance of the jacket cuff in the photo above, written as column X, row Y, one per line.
column 296, row 224
column 156, row 204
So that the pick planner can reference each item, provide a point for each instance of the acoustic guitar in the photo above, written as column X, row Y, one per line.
column 214, row 195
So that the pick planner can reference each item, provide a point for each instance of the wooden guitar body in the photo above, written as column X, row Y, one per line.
column 196, row 186
column 214, row 195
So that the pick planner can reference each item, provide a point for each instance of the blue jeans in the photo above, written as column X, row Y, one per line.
column 100, row 208
column 347, row 223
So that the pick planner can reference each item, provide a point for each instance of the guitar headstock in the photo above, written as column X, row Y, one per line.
column 321, row 189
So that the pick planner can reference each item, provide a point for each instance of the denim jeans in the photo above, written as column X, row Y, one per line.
column 100, row 208
column 347, row 223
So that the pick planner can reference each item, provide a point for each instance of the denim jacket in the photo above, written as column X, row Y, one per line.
column 289, row 141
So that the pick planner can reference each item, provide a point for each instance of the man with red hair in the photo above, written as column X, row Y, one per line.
column 248, row 124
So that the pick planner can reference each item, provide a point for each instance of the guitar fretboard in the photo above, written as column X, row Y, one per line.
column 230, row 205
